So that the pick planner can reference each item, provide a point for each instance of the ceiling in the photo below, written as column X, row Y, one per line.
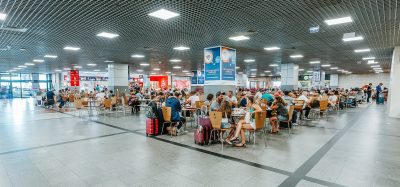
column 52, row 25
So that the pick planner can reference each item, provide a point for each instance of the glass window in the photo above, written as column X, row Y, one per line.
column 42, row 77
column 26, row 77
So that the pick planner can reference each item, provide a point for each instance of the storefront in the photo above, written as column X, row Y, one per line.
column 158, row 82
column 23, row 85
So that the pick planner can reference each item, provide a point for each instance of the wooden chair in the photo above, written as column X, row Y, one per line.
column 216, row 119
column 79, row 106
column 166, row 111
column 290, row 117
column 259, row 121
column 124, row 105
column 323, row 108
column 199, row 104
column 107, row 106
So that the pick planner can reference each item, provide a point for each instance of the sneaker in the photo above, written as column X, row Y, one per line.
column 295, row 124
column 308, row 119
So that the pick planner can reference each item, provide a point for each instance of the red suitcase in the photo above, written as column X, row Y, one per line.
column 151, row 126
column 202, row 133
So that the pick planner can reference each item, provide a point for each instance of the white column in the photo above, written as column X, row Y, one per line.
column 289, row 76
column 394, row 86
column 334, row 82
column 118, row 77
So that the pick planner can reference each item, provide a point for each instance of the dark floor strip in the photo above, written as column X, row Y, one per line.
column 61, row 143
column 257, row 165
column 306, row 167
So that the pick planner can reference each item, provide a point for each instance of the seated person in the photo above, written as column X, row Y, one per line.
column 49, row 98
column 313, row 102
column 134, row 103
column 194, row 96
column 176, row 109
column 232, row 99
column 209, row 100
column 60, row 99
column 268, row 97
column 289, row 100
column 282, row 113
column 332, row 100
column 243, row 101
column 216, row 104
column 247, row 123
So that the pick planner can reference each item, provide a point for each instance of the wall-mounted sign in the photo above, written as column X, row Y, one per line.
column 74, row 78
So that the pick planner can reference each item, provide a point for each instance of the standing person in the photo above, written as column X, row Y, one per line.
column 378, row 91
column 369, row 92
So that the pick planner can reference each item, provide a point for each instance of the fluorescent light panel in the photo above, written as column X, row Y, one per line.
column 315, row 62
column 144, row 64
column 339, row 20
column 249, row 60
column 175, row 60
column 91, row 64
column 29, row 64
column 272, row 48
column 362, row 50
column 368, row 58
column 353, row 39
column 107, row 35
column 50, row 56
column 137, row 56
column 325, row 65
column 177, row 67
column 3, row 16
column 334, row 68
column 72, row 48
column 96, row 70
column 274, row 65
column 181, row 48
column 296, row 56
column 108, row 61
column 239, row 38
column 38, row 60
column 163, row 14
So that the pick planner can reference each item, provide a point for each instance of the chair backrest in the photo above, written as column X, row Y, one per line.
column 216, row 119
column 114, row 100
column 291, row 109
column 78, row 104
column 323, row 105
column 126, row 100
column 263, row 107
column 298, row 104
column 166, row 111
column 260, row 119
column 107, row 103
column 199, row 104
column 71, row 98
column 64, row 97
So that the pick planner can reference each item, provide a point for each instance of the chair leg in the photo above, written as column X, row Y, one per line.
column 265, row 138
column 254, row 137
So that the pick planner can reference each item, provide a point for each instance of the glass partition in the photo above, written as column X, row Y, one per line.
column 23, row 85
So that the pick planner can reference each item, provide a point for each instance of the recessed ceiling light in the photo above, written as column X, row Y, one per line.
column 185, row 71
column 175, row 60
column 139, row 70
column 177, row 67
column 339, row 20
column 249, row 60
column 96, row 70
column 181, row 48
column 325, row 65
column 253, row 69
column 137, row 56
column 91, row 64
column 57, row 70
column 107, row 35
column 22, row 66
column 315, row 62
column 372, row 62
column 67, row 69
column 173, row 74
column 12, row 70
column 3, row 16
column 237, row 67
column 50, row 56
column 377, row 68
column 239, row 38
column 163, row 14
column 152, row 73
column 156, row 69
column 267, row 71
column 301, row 69
column 334, row 68
column 262, row 74
column 240, row 73
column 72, row 48
column 167, row 72
column 29, row 64
column 272, row 48
column 77, row 67
column 353, row 39
column 38, row 60
column 108, row 61
column 22, row 49
column 17, row 68
column 296, row 56
column 270, row 75
column 144, row 64
column 362, row 50
column 368, row 58
column 274, row 65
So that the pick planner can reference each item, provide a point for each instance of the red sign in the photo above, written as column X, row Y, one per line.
column 74, row 77
column 162, row 81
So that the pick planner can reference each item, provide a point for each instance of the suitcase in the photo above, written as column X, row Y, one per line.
column 202, row 133
column 151, row 126
column 381, row 99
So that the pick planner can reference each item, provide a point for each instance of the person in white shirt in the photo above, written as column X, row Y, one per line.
column 332, row 100
column 193, row 98
column 231, row 98
column 304, row 98
column 100, row 95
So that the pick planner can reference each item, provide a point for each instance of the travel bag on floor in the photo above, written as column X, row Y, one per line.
column 381, row 99
column 151, row 126
column 202, row 133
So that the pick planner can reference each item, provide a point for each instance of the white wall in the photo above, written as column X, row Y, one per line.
column 358, row 80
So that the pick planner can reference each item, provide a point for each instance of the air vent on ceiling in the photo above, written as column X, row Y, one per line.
column 14, row 29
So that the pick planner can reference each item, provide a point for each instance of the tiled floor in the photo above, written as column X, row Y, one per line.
column 356, row 147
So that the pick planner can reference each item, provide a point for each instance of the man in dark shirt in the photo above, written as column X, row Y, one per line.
column 50, row 97
column 176, row 109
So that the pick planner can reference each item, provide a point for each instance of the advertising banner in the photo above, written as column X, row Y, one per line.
column 74, row 77
column 212, row 63
column 200, row 77
column 228, row 65
column 194, row 77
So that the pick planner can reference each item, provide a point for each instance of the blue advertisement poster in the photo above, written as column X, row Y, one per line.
column 228, row 60
column 200, row 77
column 194, row 77
column 212, row 64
